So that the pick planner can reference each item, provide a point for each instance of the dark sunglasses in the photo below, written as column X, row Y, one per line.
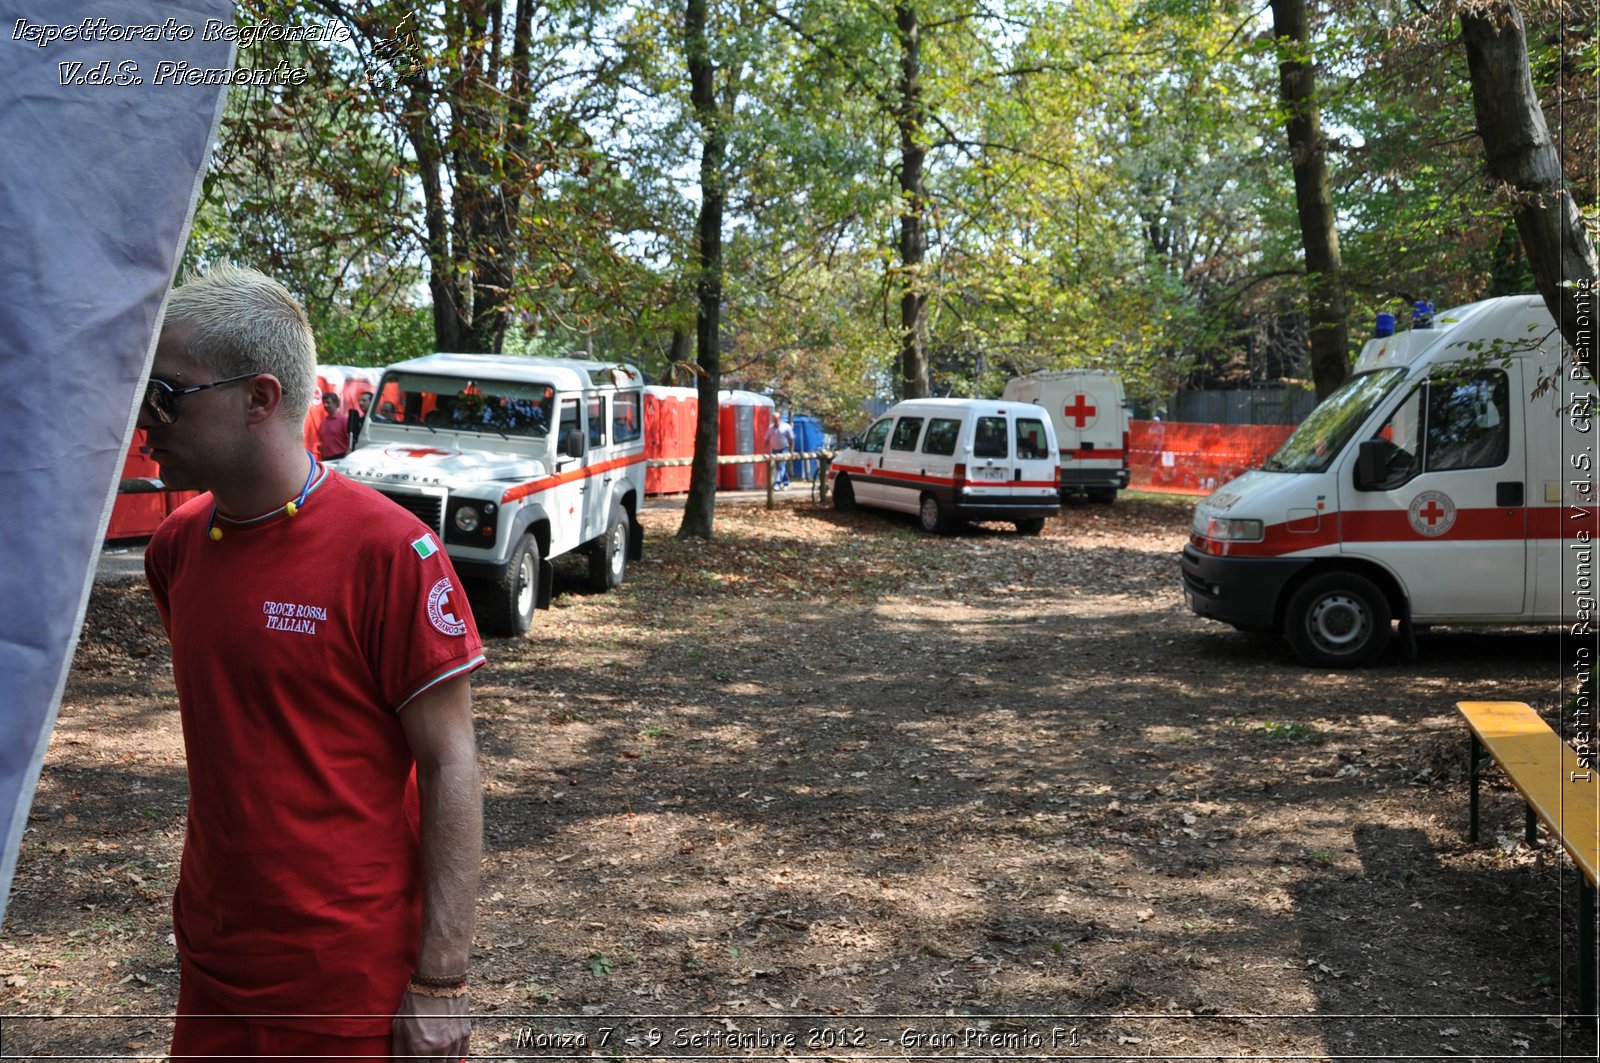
column 162, row 397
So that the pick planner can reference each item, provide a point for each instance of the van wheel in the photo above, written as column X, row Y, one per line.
column 1031, row 526
column 608, row 560
column 513, row 597
column 933, row 517
column 1102, row 494
column 844, row 495
column 1338, row 620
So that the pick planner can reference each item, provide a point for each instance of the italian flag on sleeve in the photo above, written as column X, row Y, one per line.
column 425, row 547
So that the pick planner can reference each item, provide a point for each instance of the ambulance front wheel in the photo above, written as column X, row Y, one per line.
column 1030, row 526
column 844, row 495
column 1338, row 620
column 512, row 598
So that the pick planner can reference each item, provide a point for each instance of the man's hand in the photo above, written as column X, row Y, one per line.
column 431, row 1028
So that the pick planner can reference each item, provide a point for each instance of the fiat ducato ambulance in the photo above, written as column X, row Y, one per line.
column 1090, row 415
column 1449, row 481
column 953, row 460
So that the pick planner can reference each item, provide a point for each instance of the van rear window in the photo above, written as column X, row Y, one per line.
column 942, row 435
column 993, row 438
column 1030, row 439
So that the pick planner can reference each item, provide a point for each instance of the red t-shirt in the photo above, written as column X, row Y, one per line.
column 296, row 642
column 333, row 436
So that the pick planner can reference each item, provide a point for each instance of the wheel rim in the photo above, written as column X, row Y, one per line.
column 930, row 513
column 619, row 550
column 525, row 585
column 1339, row 623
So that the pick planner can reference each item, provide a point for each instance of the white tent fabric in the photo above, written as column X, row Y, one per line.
column 98, row 182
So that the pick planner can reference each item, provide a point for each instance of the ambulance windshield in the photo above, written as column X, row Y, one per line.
column 1320, row 437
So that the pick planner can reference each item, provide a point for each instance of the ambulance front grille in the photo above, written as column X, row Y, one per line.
column 427, row 508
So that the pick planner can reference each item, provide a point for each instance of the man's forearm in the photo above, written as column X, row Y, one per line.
column 452, row 849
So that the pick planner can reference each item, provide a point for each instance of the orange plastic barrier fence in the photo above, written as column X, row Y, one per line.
column 1196, row 459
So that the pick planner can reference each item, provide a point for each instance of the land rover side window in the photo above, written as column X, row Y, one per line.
column 597, row 421
column 626, row 423
column 1031, row 439
column 942, row 435
column 906, row 431
column 872, row 442
column 992, row 440
column 569, row 423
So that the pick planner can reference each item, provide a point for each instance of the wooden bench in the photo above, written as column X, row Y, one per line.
column 1560, row 791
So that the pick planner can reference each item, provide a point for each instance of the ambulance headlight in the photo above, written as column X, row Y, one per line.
column 1229, row 529
column 467, row 519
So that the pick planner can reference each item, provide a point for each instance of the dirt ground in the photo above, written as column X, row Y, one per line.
column 826, row 787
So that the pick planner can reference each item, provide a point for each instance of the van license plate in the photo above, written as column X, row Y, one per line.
column 989, row 474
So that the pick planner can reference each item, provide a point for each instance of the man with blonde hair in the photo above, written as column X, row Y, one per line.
column 330, row 866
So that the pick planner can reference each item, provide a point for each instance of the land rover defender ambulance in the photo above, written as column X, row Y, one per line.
column 512, row 461
column 1090, row 415
column 953, row 460
column 1449, row 481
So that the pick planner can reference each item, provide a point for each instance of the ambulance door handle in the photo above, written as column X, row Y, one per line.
column 1508, row 493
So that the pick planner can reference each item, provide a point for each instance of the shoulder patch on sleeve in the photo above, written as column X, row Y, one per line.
column 426, row 546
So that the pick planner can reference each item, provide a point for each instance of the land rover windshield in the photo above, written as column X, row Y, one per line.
column 1321, row 436
column 460, row 404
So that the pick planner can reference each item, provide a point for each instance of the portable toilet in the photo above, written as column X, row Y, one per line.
column 669, row 425
column 744, row 419
column 807, row 437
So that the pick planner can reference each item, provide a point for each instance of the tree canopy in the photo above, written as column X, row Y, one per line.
column 915, row 194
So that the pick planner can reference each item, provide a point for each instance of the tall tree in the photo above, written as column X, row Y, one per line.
column 1328, row 308
column 713, row 117
column 911, row 120
column 1522, row 157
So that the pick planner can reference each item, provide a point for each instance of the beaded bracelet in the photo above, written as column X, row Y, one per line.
column 440, row 992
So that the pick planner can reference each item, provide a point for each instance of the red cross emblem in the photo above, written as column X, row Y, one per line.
column 1431, row 513
column 1079, row 410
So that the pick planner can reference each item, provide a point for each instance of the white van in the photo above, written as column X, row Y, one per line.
column 1441, row 484
column 954, row 460
column 512, row 461
column 1090, row 414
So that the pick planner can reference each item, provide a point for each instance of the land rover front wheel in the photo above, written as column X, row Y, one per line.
column 513, row 597
column 1338, row 620
column 608, row 561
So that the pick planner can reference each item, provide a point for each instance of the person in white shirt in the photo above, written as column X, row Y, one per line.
column 780, row 440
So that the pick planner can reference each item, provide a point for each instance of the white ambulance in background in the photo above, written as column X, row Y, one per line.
column 1088, row 409
column 1442, row 484
column 953, row 460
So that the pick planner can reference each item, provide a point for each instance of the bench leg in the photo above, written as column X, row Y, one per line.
column 1530, row 826
column 1472, row 774
column 1586, row 951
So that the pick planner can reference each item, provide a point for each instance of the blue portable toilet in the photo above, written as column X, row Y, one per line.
column 807, row 436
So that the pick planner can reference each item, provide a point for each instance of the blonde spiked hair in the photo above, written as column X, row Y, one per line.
column 242, row 321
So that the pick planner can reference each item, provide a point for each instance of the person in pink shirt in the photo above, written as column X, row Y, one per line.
column 333, row 438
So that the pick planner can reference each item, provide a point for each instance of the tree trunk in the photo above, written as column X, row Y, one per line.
column 911, row 118
column 1521, row 157
column 1327, row 307
column 700, row 507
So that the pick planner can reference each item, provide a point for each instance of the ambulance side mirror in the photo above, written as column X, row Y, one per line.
column 572, row 443
column 1370, row 472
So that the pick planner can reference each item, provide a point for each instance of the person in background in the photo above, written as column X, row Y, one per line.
column 358, row 417
column 330, row 864
column 333, row 437
column 780, row 440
